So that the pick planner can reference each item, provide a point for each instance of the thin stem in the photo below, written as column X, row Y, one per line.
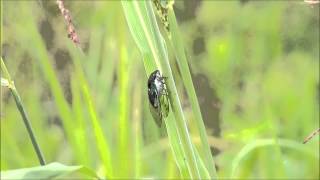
column 23, row 113
column 310, row 136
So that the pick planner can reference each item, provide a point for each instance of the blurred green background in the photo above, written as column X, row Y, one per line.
column 254, row 64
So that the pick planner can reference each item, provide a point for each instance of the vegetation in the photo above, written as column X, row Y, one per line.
column 242, row 78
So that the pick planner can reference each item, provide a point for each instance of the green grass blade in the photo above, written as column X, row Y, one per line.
column 137, row 129
column 104, row 149
column 123, row 116
column 80, row 128
column 23, row 113
column 176, row 43
column 145, row 31
column 284, row 143
column 175, row 144
column 102, row 143
column 50, row 171
column 43, row 61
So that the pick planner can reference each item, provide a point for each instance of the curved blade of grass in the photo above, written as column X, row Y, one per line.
column 176, row 43
column 247, row 149
column 144, row 29
column 50, row 171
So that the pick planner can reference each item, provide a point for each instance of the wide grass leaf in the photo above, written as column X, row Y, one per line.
column 50, row 171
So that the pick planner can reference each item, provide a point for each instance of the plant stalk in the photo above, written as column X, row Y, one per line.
column 23, row 113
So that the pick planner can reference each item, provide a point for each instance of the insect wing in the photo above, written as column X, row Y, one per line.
column 156, row 114
column 158, row 97
column 164, row 104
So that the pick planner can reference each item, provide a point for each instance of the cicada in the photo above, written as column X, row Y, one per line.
column 158, row 97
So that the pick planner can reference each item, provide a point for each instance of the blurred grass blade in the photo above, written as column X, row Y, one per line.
column 104, row 149
column 176, row 43
column 20, row 106
column 137, row 129
column 43, row 60
column 80, row 128
column 123, row 116
column 102, row 143
column 247, row 149
column 50, row 171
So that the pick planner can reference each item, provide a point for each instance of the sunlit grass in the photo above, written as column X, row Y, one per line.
column 94, row 111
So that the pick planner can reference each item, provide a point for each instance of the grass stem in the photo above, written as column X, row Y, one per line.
column 23, row 113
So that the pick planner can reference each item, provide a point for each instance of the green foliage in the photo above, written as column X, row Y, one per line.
column 259, row 98
column 141, row 20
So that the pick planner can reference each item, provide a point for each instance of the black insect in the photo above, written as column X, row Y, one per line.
column 158, row 97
